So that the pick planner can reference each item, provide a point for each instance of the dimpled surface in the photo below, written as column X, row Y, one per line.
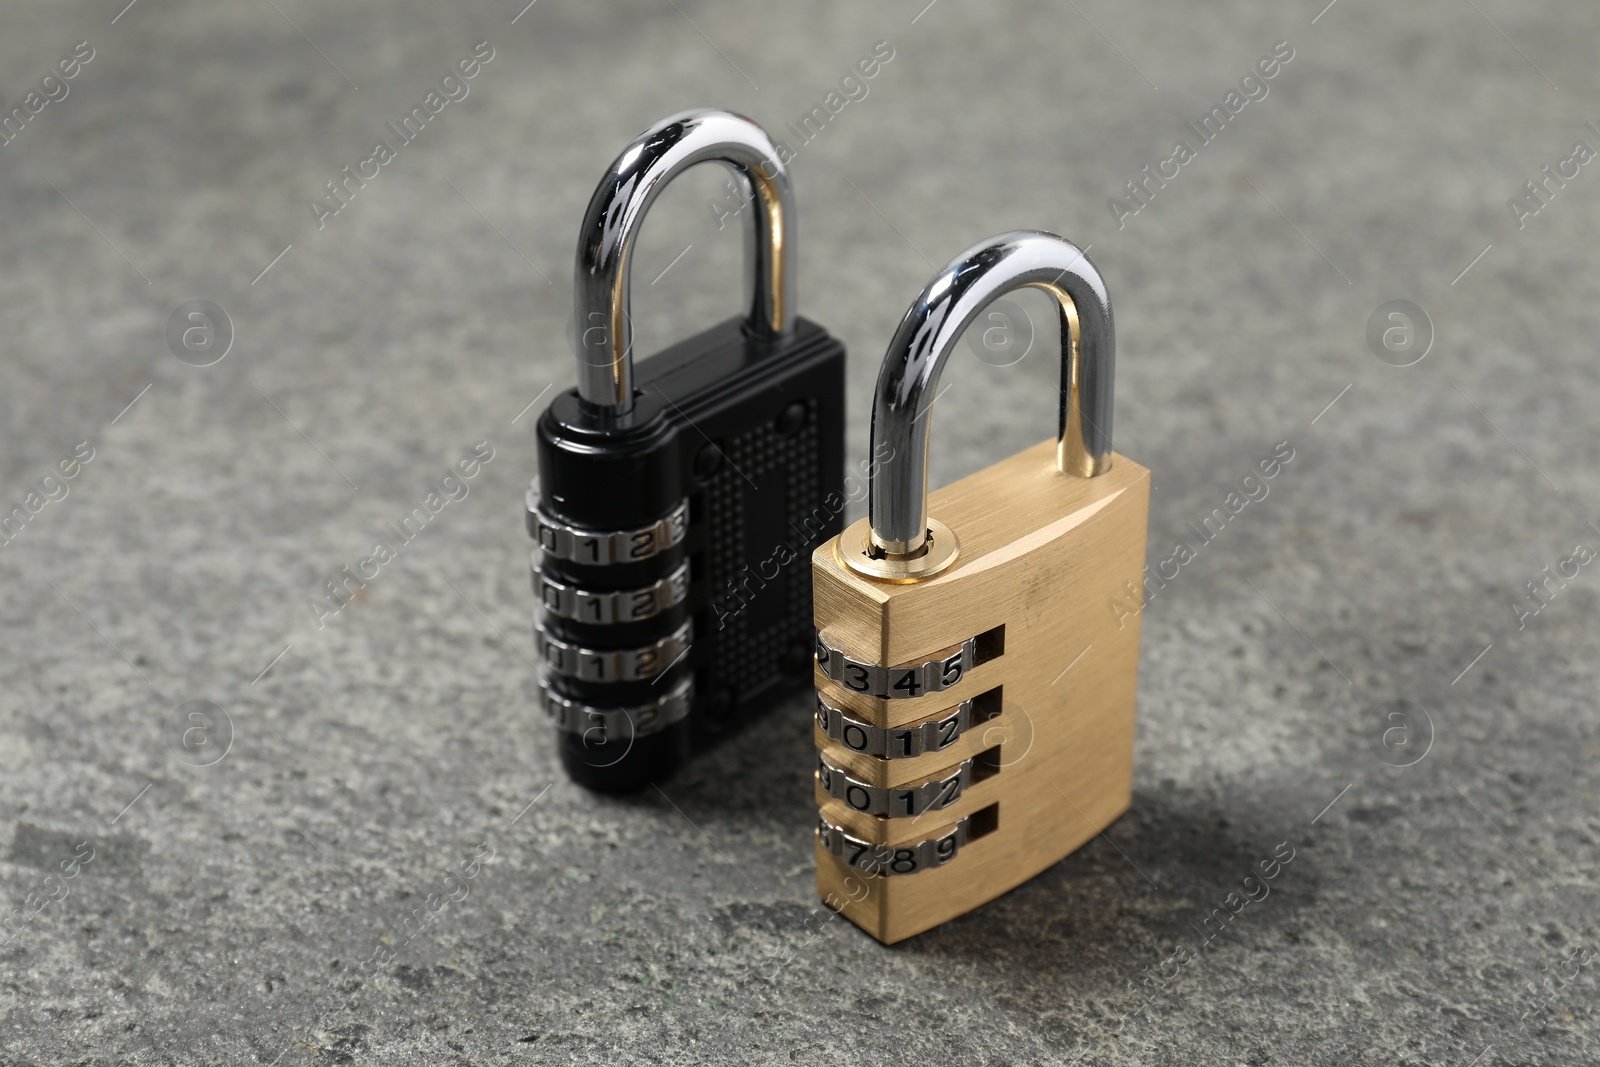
column 386, row 866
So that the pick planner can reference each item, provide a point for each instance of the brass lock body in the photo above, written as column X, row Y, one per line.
column 977, row 672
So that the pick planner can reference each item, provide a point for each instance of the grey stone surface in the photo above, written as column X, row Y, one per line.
column 234, row 894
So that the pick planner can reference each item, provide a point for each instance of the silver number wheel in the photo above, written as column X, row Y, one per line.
column 894, row 742
column 569, row 601
column 871, row 679
column 603, row 547
column 896, row 802
column 600, row 725
column 892, row 859
column 613, row 664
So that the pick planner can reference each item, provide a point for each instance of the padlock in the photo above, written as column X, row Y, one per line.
column 977, row 651
column 677, row 503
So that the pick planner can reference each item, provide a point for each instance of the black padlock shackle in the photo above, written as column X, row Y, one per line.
column 617, row 210
column 908, row 382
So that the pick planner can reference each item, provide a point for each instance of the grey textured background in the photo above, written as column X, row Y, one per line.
column 228, row 908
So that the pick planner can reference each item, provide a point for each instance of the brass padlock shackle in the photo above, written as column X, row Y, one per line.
column 908, row 382
column 617, row 210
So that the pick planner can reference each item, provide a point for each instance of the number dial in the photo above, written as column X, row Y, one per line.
column 604, row 547
column 599, row 725
column 901, row 742
column 613, row 664
column 892, row 859
column 569, row 601
column 889, row 683
column 898, row 802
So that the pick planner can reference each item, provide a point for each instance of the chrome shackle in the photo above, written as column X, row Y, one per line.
column 909, row 379
column 617, row 210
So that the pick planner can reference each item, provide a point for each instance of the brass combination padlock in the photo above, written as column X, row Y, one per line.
column 975, row 688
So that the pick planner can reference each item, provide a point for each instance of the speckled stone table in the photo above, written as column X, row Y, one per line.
column 363, row 851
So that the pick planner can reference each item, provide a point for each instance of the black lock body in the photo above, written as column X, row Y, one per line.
column 747, row 432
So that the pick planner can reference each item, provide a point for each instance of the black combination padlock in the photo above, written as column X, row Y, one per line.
column 677, row 502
